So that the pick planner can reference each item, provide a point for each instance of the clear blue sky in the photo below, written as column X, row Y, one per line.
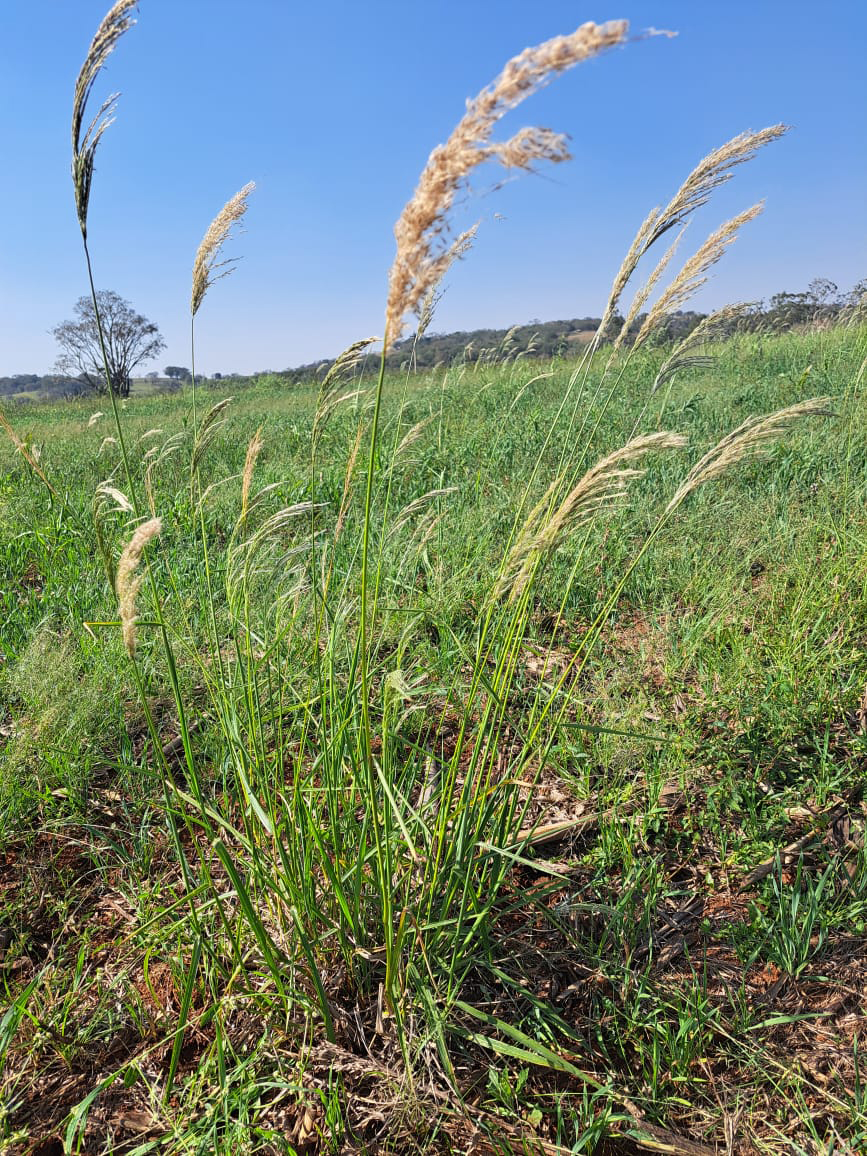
column 332, row 108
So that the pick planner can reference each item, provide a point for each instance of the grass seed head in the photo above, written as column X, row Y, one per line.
column 206, row 263
column 422, row 253
column 750, row 438
column 602, row 486
column 84, row 145
column 128, row 583
column 694, row 272
column 711, row 172
column 254, row 448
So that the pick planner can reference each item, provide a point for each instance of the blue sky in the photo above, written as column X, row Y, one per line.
column 332, row 108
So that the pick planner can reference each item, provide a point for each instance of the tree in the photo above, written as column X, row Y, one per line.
column 177, row 373
column 129, row 338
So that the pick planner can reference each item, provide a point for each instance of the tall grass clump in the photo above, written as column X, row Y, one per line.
column 348, row 824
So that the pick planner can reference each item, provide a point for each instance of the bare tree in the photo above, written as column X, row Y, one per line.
column 129, row 339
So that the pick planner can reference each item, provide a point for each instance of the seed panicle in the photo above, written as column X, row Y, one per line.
column 711, row 172
column 422, row 253
column 219, row 230
column 750, row 438
column 116, row 22
column 128, row 583
column 601, row 487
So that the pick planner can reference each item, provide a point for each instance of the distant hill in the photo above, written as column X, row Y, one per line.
column 821, row 304
column 540, row 339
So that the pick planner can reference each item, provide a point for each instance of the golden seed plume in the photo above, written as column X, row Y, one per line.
column 693, row 274
column 206, row 263
column 422, row 254
column 109, row 32
column 747, row 440
column 94, row 418
column 127, row 583
column 711, row 172
column 602, row 486
column 458, row 249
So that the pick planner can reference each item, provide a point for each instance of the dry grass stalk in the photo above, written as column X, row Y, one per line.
column 747, row 440
column 417, row 505
column 206, row 263
column 109, row 32
column 254, row 448
column 603, row 485
column 106, row 491
column 158, row 455
column 422, row 257
column 128, row 583
column 716, row 168
column 715, row 325
column 412, row 435
column 94, row 418
column 694, row 272
column 211, row 425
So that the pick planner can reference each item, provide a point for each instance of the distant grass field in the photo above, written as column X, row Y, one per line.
column 664, row 934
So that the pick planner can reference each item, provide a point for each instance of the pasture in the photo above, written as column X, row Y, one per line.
column 586, row 863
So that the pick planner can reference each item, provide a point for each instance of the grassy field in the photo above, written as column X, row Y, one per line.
column 563, row 877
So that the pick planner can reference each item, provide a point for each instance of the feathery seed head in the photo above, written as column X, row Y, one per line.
column 693, row 274
column 748, row 439
column 718, row 324
column 113, row 26
column 128, row 583
column 422, row 253
column 601, row 487
column 220, row 228
column 714, row 170
column 254, row 448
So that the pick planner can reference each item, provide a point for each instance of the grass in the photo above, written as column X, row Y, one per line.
column 378, row 773
column 625, row 961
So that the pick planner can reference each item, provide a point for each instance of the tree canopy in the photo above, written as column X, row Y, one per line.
column 129, row 339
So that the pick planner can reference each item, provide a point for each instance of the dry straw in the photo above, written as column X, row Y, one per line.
column 128, row 583
column 219, row 230
column 422, row 254
column 109, row 32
